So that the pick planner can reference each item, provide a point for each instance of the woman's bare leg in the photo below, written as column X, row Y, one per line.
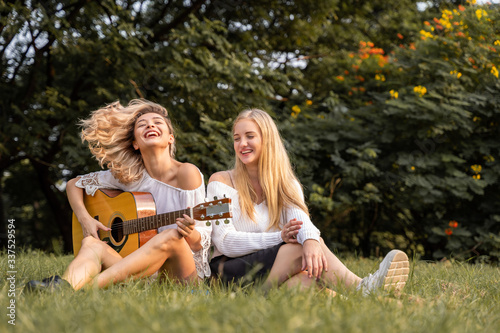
column 337, row 273
column 167, row 251
column 289, row 263
column 303, row 281
column 94, row 255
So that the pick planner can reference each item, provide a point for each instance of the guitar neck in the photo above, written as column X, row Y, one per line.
column 153, row 222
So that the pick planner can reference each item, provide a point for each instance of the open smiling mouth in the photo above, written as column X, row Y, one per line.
column 151, row 134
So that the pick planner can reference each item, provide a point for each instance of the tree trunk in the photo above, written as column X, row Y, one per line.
column 58, row 204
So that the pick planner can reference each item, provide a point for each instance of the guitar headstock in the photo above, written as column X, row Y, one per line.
column 213, row 210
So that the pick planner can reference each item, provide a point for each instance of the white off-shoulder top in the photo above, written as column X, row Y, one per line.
column 240, row 235
column 167, row 199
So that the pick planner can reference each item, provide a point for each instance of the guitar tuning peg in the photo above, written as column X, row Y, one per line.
column 226, row 221
column 208, row 224
column 215, row 197
column 224, row 195
column 217, row 222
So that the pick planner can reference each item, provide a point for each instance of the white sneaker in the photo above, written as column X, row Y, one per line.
column 391, row 274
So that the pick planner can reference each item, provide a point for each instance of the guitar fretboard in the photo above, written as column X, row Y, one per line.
column 152, row 222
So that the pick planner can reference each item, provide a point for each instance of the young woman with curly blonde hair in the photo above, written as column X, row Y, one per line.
column 137, row 145
column 271, row 235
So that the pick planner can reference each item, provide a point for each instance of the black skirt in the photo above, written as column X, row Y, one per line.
column 249, row 268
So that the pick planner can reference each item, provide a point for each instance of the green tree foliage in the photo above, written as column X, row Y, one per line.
column 411, row 155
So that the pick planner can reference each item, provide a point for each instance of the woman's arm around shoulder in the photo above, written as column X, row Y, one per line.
column 188, row 177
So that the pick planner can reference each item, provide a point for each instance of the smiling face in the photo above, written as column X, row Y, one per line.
column 151, row 130
column 247, row 142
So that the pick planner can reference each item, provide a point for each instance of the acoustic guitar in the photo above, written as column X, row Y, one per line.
column 132, row 218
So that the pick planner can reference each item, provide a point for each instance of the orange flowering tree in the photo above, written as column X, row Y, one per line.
column 409, row 138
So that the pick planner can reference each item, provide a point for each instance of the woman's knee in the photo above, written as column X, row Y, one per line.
column 167, row 240
column 92, row 242
column 290, row 251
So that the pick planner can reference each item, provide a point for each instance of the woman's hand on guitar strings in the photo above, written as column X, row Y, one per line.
column 90, row 226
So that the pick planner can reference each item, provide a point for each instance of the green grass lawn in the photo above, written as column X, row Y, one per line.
column 439, row 297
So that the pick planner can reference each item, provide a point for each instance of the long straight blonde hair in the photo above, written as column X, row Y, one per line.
column 109, row 132
column 280, row 186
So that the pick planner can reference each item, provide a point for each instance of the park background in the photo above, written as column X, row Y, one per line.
column 390, row 110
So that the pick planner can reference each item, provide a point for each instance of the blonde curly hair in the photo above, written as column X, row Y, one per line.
column 109, row 132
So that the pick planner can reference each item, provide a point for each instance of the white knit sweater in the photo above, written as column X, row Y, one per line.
column 241, row 235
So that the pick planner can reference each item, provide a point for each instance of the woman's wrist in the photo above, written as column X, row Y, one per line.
column 84, row 217
column 194, row 240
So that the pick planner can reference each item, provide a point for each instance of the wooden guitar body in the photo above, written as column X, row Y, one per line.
column 114, row 206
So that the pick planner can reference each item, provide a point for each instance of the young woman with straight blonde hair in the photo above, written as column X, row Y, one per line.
column 137, row 145
column 271, row 235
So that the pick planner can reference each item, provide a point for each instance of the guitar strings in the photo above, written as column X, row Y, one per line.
column 118, row 225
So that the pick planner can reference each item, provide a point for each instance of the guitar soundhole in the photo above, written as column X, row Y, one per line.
column 117, row 230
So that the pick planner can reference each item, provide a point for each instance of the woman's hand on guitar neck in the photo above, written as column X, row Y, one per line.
column 90, row 226
column 185, row 227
